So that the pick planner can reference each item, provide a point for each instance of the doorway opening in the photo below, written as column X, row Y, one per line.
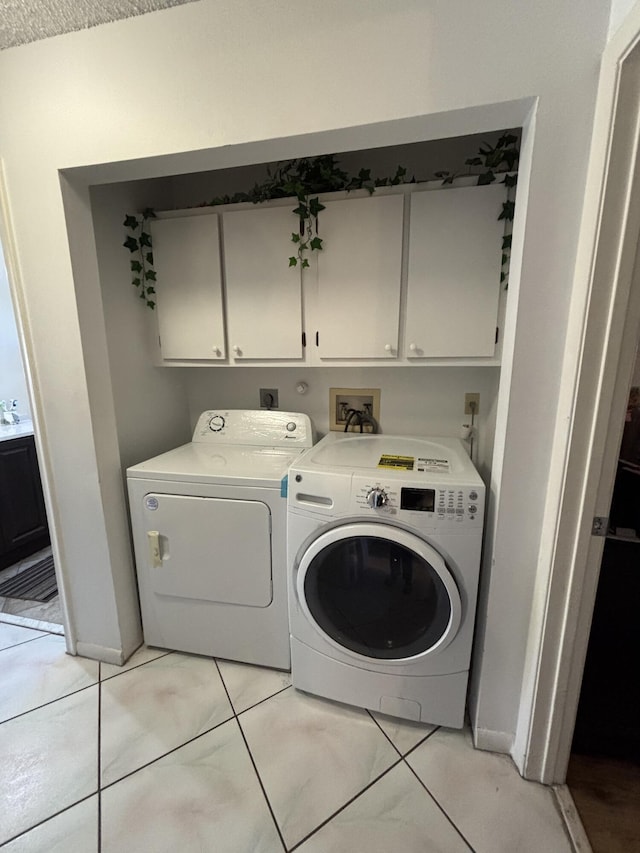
column 29, row 595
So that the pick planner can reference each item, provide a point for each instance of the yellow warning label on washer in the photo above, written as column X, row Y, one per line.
column 400, row 463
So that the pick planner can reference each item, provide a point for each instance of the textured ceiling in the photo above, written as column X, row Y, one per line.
column 22, row 21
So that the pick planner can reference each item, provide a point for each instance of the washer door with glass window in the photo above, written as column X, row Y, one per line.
column 378, row 591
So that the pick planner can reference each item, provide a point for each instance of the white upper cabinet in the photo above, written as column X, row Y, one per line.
column 359, row 275
column 453, row 284
column 186, row 253
column 264, row 300
column 381, row 289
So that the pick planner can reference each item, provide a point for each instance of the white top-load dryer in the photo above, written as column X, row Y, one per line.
column 209, row 521
column 384, row 542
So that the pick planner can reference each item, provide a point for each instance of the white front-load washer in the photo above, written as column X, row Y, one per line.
column 209, row 522
column 384, row 544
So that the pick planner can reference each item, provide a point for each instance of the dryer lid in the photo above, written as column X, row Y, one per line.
column 224, row 464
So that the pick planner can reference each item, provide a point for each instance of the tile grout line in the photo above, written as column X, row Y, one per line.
column 47, row 819
column 457, row 829
column 261, row 701
column 50, row 702
column 168, row 752
column 255, row 769
column 137, row 666
column 24, row 642
column 383, row 732
column 345, row 805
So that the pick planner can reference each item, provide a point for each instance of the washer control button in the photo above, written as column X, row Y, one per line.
column 472, row 509
column 291, row 426
column 216, row 423
column 377, row 498
column 473, row 496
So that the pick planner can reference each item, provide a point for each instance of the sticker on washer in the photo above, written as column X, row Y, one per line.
column 399, row 463
column 427, row 463
column 151, row 503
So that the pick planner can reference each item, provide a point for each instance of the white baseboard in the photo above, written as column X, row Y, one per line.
column 101, row 653
column 571, row 819
column 492, row 741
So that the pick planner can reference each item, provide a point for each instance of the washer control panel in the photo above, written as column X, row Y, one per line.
column 437, row 506
column 258, row 428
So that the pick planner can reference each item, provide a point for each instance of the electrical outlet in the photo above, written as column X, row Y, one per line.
column 341, row 400
column 469, row 400
column 268, row 398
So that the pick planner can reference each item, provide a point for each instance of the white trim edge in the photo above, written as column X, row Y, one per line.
column 491, row 741
column 100, row 653
column 571, row 819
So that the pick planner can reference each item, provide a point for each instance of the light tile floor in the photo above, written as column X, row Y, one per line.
column 176, row 752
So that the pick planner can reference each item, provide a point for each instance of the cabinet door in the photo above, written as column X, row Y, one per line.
column 186, row 252
column 23, row 520
column 264, row 300
column 453, row 286
column 359, row 272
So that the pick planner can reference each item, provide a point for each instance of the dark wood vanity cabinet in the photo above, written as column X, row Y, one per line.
column 23, row 520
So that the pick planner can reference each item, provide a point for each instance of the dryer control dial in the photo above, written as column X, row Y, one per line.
column 216, row 423
column 377, row 498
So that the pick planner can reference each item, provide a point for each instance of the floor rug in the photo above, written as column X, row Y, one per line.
column 37, row 583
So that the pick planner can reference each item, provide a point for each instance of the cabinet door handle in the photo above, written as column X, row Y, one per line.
column 388, row 348
column 237, row 350
column 153, row 539
column 413, row 347
column 215, row 350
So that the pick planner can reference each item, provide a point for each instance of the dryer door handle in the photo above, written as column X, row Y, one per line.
column 155, row 556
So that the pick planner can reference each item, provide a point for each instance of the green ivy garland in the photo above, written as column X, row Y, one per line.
column 305, row 179
column 500, row 158
column 143, row 275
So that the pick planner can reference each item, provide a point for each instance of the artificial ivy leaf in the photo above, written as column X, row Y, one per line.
column 316, row 243
column 301, row 211
column 151, row 304
column 293, row 261
column 505, row 258
column 305, row 263
column 295, row 238
column 508, row 208
column 502, row 277
column 136, row 266
column 136, row 281
column 399, row 175
column 131, row 222
column 148, row 213
column 142, row 296
column 145, row 239
column 441, row 174
column 509, row 139
column 473, row 161
column 131, row 244
column 149, row 257
column 150, row 275
column 315, row 207
column 510, row 180
column 506, row 241
column 364, row 175
column 448, row 180
column 486, row 178
column 151, row 290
